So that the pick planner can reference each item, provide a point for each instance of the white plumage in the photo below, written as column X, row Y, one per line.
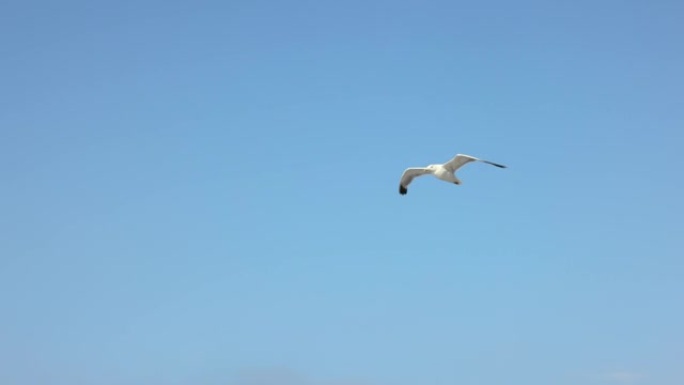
column 445, row 171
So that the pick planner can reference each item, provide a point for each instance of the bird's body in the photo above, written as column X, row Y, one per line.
column 445, row 171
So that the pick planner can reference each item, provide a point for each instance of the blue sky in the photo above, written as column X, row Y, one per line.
column 206, row 193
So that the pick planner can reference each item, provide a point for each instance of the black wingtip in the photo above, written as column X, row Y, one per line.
column 495, row 164
column 402, row 190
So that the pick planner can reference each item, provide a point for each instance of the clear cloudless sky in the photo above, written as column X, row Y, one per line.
column 205, row 192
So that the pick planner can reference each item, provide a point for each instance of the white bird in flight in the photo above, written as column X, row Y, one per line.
column 445, row 171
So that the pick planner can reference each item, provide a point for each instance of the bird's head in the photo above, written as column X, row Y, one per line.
column 431, row 166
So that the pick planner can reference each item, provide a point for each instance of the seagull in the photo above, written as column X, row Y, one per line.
column 445, row 171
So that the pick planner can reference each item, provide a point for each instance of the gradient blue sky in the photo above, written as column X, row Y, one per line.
column 206, row 192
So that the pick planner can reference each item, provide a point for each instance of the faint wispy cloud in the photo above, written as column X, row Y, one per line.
column 623, row 377
column 271, row 376
column 284, row 376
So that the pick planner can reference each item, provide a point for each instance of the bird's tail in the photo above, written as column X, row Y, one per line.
column 493, row 164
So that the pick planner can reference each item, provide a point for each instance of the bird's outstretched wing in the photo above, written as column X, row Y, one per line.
column 459, row 160
column 408, row 176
